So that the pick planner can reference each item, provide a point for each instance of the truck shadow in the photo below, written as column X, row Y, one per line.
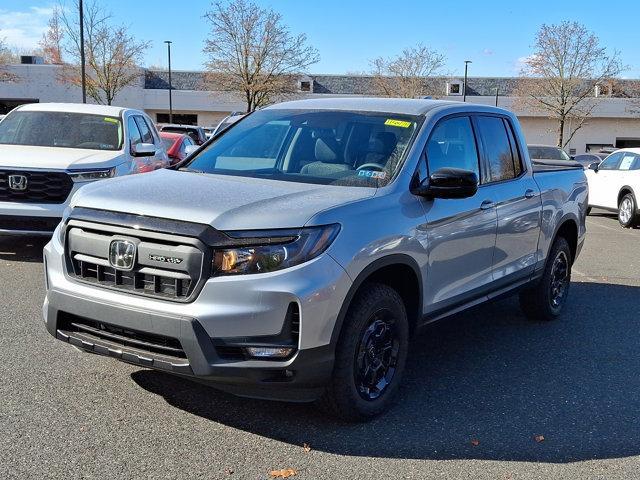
column 487, row 374
column 22, row 249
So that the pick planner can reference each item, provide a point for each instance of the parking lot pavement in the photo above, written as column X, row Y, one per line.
column 487, row 375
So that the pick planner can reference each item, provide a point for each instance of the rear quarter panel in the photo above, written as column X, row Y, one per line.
column 564, row 195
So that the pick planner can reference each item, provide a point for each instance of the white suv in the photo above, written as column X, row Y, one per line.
column 49, row 150
column 614, row 185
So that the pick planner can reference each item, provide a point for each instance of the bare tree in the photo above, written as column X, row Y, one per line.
column 51, row 42
column 408, row 74
column 112, row 53
column 6, row 58
column 250, row 50
column 560, row 77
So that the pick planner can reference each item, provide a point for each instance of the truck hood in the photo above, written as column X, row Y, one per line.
column 225, row 202
column 54, row 158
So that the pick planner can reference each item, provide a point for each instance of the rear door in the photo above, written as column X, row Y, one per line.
column 461, row 232
column 517, row 199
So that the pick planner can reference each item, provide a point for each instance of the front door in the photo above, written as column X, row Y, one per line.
column 461, row 233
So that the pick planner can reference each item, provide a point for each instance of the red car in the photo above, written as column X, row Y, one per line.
column 176, row 145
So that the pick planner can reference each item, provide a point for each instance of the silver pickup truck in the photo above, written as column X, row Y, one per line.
column 294, row 256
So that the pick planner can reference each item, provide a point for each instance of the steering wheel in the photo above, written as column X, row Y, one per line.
column 369, row 166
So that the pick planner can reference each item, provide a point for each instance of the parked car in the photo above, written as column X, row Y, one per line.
column 196, row 133
column 49, row 150
column 227, row 121
column 296, row 256
column 547, row 152
column 586, row 159
column 178, row 146
column 614, row 185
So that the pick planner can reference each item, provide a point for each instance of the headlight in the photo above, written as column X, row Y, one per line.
column 91, row 175
column 263, row 253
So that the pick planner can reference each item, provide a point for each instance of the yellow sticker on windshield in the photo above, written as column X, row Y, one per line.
column 110, row 120
column 397, row 123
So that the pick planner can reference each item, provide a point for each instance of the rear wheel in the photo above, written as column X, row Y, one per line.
column 370, row 355
column 627, row 215
column 547, row 298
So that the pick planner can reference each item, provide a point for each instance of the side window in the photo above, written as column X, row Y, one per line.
column 452, row 145
column 611, row 162
column 497, row 148
column 517, row 161
column 134, row 134
column 628, row 161
column 147, row 137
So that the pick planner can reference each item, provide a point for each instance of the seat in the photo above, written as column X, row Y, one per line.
column 329, row 159
column 381, row 149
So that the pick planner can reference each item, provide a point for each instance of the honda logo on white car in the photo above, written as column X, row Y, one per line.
column 17, row 182
column 122, row 254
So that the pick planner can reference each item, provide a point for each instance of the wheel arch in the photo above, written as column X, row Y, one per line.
column 568, row 229
column 402, row 273
column 625, row 190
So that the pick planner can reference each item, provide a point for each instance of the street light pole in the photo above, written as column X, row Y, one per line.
column 464, row 85
column 82, row 59
column 168, row 42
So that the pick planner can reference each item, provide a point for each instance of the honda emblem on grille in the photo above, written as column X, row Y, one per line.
column 17, row 182
column 122, row 254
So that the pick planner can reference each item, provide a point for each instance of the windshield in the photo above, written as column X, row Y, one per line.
column 61, row 129
column 548, row 153
column 326, row 147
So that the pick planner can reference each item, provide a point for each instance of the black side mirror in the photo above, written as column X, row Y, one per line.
column 448, row 183
column 594, row 166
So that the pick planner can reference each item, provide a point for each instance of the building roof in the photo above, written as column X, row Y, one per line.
column 365, row 84
column 74, row 108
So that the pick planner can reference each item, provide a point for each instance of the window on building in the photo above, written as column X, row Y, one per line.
column 454, row 89
column 180, row 118
column 305, row 86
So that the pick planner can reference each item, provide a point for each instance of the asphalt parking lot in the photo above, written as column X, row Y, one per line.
column 487, row 375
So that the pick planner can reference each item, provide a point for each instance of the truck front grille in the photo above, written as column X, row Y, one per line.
column 163, row 266
column 34, row 187
column 147, row 281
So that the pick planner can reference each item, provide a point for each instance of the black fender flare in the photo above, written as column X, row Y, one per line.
column 386, row 261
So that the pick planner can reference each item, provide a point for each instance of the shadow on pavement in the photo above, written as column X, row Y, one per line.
column 22, row 249
column 488, row 374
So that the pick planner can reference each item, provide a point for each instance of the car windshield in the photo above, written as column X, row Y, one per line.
column 548, row 153
column 61, row 129
column 326, row 147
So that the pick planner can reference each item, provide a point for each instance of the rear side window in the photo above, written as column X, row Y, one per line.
column 515, row 152
column 452, row 145
column 497, row 148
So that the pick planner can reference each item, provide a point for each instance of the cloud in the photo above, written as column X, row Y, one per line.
column 23, row 29
column 521, row 63
column 487, row 51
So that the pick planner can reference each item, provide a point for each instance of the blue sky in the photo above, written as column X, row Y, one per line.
column 348, row 33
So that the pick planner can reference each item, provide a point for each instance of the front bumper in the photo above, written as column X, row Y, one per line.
column 227, row 309
column 31, row 218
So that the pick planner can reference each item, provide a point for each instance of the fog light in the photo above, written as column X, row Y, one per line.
column 269, row 352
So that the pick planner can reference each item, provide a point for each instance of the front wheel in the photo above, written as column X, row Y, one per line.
column 370, row 355
column 627, row 215
column 547, row 298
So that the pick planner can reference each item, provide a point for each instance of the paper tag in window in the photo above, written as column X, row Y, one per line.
column 372, row 174
column 397, row 123
column 110, row 120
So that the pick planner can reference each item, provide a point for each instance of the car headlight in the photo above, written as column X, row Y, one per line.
column 262, row 253
column 92, row 175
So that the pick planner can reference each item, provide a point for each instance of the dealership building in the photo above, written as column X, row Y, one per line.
column 614, row 122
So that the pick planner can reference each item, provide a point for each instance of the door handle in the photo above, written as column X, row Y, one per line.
column 487, row 205
column 530, row 193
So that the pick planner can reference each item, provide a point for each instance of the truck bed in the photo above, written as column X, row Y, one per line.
column 541, row 166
